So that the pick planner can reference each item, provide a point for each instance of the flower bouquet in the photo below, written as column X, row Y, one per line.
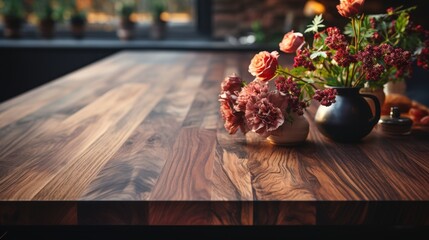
column 331, row 68
column 266, row 109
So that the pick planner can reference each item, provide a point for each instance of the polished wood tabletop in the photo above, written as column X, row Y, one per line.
column 137, row 138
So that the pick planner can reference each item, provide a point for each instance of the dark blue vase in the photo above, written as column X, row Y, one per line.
column 350, row 118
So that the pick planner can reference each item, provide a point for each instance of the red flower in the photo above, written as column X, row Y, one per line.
column 232, row 83
column 291, row 42
column 262, row 116
column 254, row 88
column 233, row 119
column 263, row 65
column 350, row 8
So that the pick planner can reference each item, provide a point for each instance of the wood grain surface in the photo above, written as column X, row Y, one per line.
column 137, row 138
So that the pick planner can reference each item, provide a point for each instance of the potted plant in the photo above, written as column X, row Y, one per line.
column 13, row 17
column 126, row 24
column 48, row 12
column 158, row 26
column 77, row 21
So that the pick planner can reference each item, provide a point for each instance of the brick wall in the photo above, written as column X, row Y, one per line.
column 235, row 17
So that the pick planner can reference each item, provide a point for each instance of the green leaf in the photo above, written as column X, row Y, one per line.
column 298, row 71
column 402, row 22
column 316, row 24
column 318, row 54
column 348, row 30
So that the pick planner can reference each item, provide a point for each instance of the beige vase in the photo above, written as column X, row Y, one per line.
column 290, row 134
column 397, row 87
column 379, row 93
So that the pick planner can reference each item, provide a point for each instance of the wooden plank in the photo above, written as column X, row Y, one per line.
column 134, row 169
column 187, row 172
column 68, row 143
column 24, row 213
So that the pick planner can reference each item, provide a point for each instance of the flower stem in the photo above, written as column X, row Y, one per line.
column 300, row 79
column 347, row 77
column 358, row 81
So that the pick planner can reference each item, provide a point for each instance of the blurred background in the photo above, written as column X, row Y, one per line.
column 41, row 40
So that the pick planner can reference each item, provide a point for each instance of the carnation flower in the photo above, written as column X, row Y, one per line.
column 232, row 83
column 262, row 116
column 253, row 89
column 233, row 119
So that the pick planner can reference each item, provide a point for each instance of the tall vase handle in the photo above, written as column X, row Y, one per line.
column 376, row 117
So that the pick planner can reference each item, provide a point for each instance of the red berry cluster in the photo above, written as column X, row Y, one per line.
column 344, row 58
column 423, row 58
column 397, row 57
column 289, row 89
column 326, row 96
column 302, row 59
column 369, row 58
column 335, row 40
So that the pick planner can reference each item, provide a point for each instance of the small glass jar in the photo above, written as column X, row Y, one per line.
column 394, row 124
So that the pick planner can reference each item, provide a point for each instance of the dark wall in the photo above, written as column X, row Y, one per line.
column 23, row 69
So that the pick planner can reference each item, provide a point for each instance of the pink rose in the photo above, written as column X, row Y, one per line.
column 263, row 65
column 349, row 8
column 291, row 42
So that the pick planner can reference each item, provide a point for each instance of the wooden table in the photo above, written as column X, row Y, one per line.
column 137, row 139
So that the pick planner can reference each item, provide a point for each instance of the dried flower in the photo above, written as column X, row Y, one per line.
column 263, row 65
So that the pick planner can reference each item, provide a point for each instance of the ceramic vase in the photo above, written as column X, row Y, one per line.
column 290, row 134
column 349, row 119
column 378, row 93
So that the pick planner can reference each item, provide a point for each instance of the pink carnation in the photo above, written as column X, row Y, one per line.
column 253, row 89
column 233, row 119
column 232, row 83
column 262, row 116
